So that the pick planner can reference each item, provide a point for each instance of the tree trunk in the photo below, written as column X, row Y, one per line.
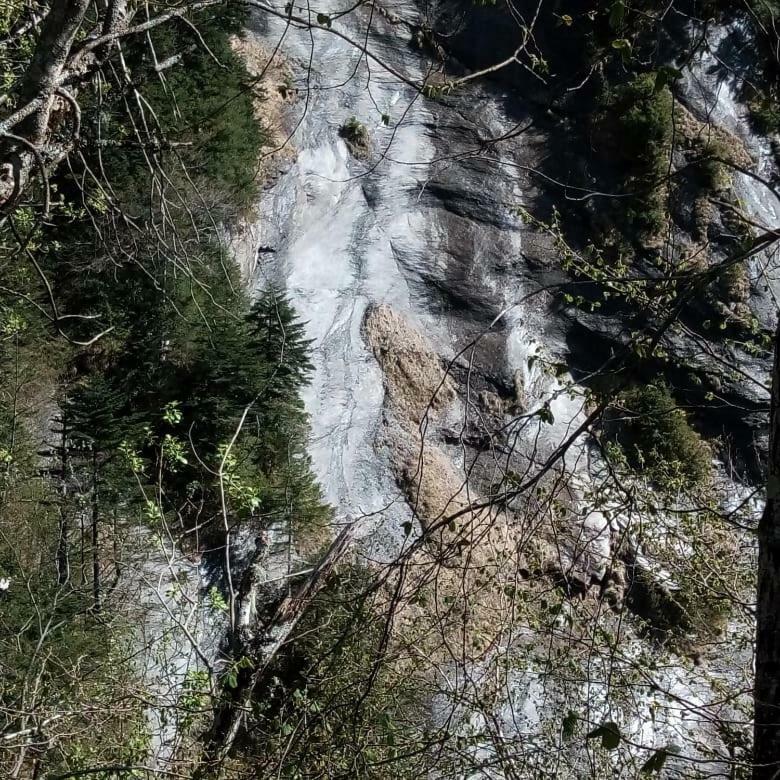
column 95, row 536
column 766, row 738
column 50, row 57
column 63, row 564
column 38, row 89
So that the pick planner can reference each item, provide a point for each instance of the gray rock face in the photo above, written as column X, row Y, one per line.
column 703, row 361
column 428, row 226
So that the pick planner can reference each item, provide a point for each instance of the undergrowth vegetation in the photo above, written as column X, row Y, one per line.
column 335, row 705
column 636, row 129
column 658, row 439
column 141, row 389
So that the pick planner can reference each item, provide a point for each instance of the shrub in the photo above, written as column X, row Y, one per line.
column 636, row 124
column 734, row 284
column 658, row 439
column 767, row 10
column 765, row 113
column 644, row 116
column 308, row 718
column 716, row 175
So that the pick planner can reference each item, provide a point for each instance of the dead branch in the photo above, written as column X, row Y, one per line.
column 261, row 645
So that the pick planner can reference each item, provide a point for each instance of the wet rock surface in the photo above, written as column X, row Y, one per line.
column 424, row 290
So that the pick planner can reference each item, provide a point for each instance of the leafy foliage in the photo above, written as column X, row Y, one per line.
column 637, row 128
column 658, row 438
column 204, row 105
column 337, row 708
column 138, row 387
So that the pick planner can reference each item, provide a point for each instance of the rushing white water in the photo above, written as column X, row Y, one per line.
column 336, row 251
column 713, row 87
column 177, row 630
column 349, row 233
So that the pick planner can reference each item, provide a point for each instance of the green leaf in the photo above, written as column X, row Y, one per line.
column 657, row 761
column 323, row 19
column 546, row 415
column 609, row 733
column 666, row 75
column 385, row 119
column 569, row 724
column 407, row 526
column 617, row 13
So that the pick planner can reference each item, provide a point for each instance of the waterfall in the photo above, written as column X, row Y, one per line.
column 713, row 87
column 427, row 223
column 424, row 213
column 348, row 234
column 339, row 232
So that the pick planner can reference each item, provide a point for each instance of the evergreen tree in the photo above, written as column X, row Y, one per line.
column 279, row 343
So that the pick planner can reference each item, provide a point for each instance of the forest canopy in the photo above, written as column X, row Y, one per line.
column 498, row 279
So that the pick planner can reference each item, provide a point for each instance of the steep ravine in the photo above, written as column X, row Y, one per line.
column 397, row 258
column 426, row 227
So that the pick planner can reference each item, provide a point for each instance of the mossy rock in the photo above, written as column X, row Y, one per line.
column 734, row 284
column 356, row 137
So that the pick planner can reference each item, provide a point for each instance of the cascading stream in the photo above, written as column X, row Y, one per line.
column 336, row 232
column 434, row 238
column 713, row 87
column 349, row 234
